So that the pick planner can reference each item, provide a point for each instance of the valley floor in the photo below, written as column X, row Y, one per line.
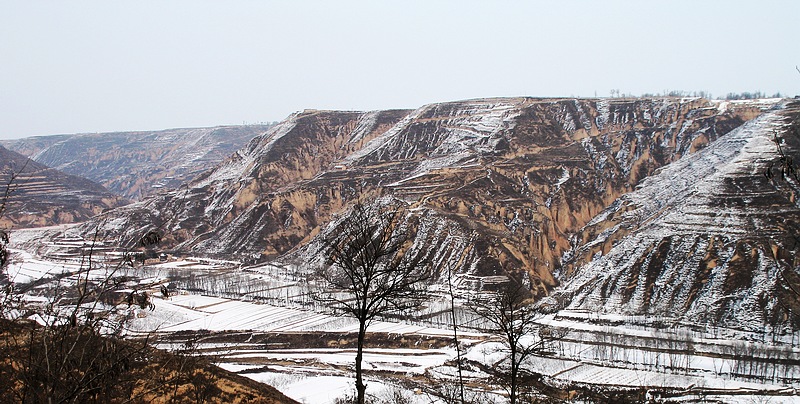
column 322, row 352
column 269, row 333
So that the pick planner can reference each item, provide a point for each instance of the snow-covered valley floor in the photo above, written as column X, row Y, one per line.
column 269, row 333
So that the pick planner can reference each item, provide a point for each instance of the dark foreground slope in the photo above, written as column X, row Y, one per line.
column 497, row 185
column 77, row 365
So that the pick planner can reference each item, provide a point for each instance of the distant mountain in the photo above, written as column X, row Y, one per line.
column 712, row 238
column 138, row 164
column 42, row 196
column 495, row 185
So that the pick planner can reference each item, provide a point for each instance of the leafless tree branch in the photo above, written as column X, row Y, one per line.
column 369, row 272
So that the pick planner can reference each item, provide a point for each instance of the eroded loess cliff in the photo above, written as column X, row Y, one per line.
column 711, row 238
column 34, row 195
column 138, row 164
column 519, row 177
column 498, row 185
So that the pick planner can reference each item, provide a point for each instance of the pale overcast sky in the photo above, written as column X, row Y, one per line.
column 98, row 66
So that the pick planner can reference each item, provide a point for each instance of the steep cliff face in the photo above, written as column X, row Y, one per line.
column 35, row 195
column 710, row 238
column 256, row 203
column 138, row 164
column 517, row 178
column 543, row 168
column 499, row 184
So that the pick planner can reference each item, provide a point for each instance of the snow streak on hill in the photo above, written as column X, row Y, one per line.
column 709, row 238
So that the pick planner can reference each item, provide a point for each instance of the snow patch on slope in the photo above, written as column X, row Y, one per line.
column 730, row 154
column 464, row 132
column 677, row 214
column 243, row 160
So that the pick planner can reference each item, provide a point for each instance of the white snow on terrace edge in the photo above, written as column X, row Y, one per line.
column 366, row 123
column 434, row 363
column 478, row 119
column 196, row 312
column 429, row 165
column 722, row 105
column 23, row 268
column 472, row 129
column 415, row 361
column 687, row 187
column 383, row 139
column 669, row 185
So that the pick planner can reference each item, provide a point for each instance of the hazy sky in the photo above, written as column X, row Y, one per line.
column 97, row 66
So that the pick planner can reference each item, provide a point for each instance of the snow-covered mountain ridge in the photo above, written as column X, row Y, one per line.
column 138, row 164
column 710, row 238
column 496, row 185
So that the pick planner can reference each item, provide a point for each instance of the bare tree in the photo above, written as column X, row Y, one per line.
column 74, row 352
column 511, row 313
column 369, row 272
column 68, row 344
column 459, row 360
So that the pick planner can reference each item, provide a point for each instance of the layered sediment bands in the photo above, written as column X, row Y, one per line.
column 138, row 164
column 34, row 195
column 710, row 238
column 525, row 174
column 498, row 185
column 256, row 203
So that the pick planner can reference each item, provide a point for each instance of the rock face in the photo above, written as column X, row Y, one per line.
column 710, row 238
column 36, row 195
column 495, row 185
column 138, row 164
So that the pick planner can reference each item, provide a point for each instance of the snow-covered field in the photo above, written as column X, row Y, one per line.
column 24, row 268
column 199, row 312
column 583, row 357
column 608, row 352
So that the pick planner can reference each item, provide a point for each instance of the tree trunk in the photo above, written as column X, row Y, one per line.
column 455, row 332
column 514, row 370
column 360, row 387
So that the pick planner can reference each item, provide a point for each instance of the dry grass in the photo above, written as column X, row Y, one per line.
column 36, row 367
